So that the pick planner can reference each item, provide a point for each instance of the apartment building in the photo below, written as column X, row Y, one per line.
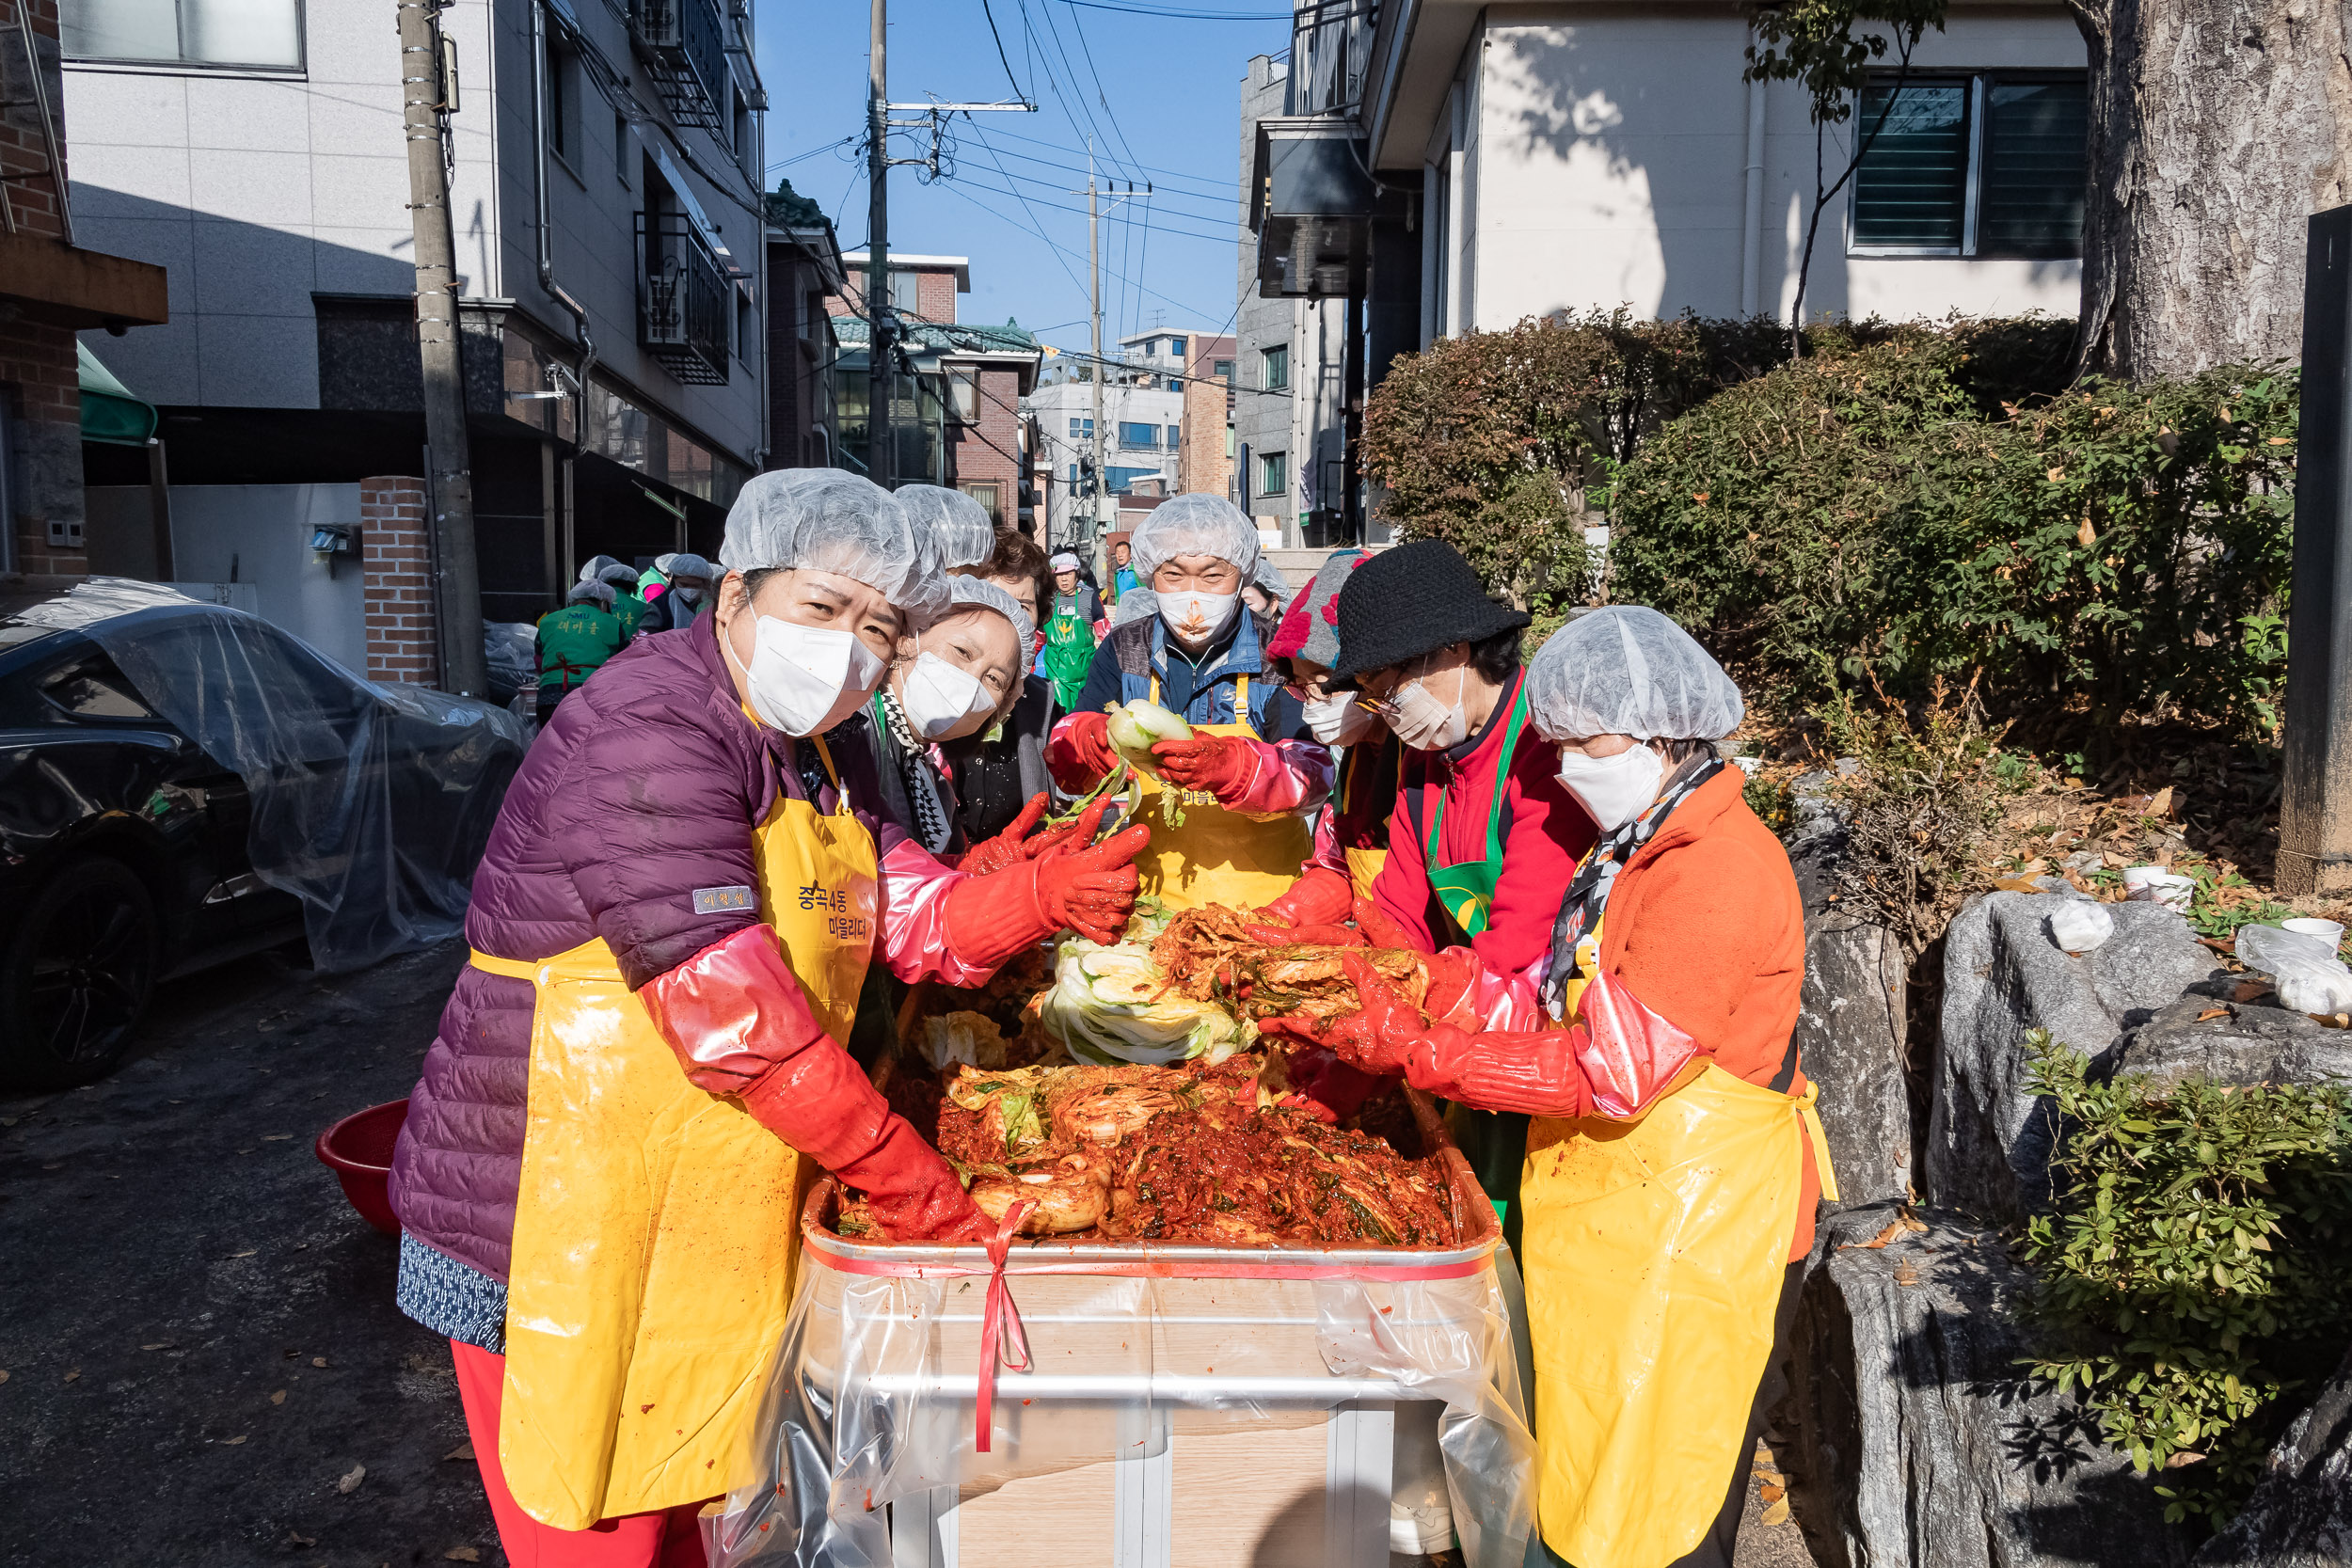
column 1205, row 465
column 804, row 270
column 604, row 184
column 956, row 411
column 1143, row 438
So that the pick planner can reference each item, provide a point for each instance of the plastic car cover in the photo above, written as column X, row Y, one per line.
column 370, row 802
column 872, row 1399
column 1627, row 669
column 511, row 648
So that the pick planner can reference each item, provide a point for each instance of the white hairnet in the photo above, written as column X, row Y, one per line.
column 831, row 520
column 597, row 594
column 950, row 522
column 594, row 570
column 1627, row 669
column 1196, row 524
column 1136, row 604
column 979, row 591
column 620, row 574
column 1270, row 578
column 685, row 564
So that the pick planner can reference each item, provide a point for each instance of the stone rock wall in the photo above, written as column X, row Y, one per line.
column 1920, row 1444
column 1850, row 1028
column 1988, row 1145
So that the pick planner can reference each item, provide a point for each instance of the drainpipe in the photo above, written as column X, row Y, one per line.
column 547, row 244
column 1752, row 209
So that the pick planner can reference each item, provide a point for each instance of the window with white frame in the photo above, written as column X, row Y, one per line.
column 1988, row 164
column 963, row 387
column 263, row 34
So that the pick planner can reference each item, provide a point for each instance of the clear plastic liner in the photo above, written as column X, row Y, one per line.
column 370, row 802
column 1133, row 1352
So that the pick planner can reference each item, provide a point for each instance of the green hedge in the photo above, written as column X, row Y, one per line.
column 1888, row 510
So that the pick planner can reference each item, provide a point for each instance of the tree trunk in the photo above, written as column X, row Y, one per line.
column 2217, row 127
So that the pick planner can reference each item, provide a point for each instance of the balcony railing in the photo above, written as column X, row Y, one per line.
column 682, row 299
column 684, row 43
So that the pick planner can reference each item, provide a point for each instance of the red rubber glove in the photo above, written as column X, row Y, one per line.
column 1014, row 844
column 1079, row 754
column 1223, row 765
column 1320, row 896
column 1091, row 891
column 1380, row 929
column 1377, row 1037
column 1451, row 972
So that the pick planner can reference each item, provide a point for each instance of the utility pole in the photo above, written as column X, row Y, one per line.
column 878, row 346
column 1094, row 285
column 2315, row 795
column 465, row 670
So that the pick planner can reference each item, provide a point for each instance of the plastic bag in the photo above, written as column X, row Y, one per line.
column 2078, row 925
column 2310, row 977
column 371, row 803
column 871, row 1403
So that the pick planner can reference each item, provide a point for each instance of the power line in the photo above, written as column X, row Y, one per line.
column 1000, row 52
column 1061, row 207
column 957, row 186
column 1100, row 95
column 1222, row 199
column 1176, row 13
column 1176, row 173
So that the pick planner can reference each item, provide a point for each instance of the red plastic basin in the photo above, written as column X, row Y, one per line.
column 359, row 1150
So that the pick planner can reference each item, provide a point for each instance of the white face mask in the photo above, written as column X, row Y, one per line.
column 804, row 680
column 1195, row 616
column 943, row 700
column 1614, row 789
column 1424, row 723
column 1339, row 721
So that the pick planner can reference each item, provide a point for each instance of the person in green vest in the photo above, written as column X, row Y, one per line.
column 626, row 602
column 574, row 642
column 1068, row 632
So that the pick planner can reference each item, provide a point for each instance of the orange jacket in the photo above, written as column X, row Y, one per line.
column 1706, row 927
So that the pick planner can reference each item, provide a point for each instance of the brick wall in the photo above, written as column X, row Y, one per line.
column 402, row 641
column 1203, row 466
column 988, row 452
column 935, row 295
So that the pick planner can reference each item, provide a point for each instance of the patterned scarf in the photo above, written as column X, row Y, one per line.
column 914, row 768
column 1596, row 873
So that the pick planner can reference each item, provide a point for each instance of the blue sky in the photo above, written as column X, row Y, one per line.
column 1162, row 95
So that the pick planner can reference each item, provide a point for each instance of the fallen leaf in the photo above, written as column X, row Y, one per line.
column 461, row 1554
column 295, row 1538
column 233, row 1442
column 162, row 1345
column 2160, row 804
column 74, row 1373
column 1777, row 1514
column 2085, row 535
column 2016, row 885
column 247, row 1253
column 1764, row 1453
column 279, row 1398
column 1769, row 1476
column 2331, row 1020
column 1772, row 1493
column 351, row 1480
column 2213, row 1012
column 2246, row 991
column 3, row 1374
column 1912, row 1222
column 1905, row 1273
column 276, row 1137
column 318, row 1361
column 462, row 1450
column 2183, row 1457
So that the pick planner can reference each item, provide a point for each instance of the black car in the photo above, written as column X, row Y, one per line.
column 184, row 786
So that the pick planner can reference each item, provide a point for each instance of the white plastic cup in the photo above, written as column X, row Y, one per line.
column 2328, row 931
column 2153, row 884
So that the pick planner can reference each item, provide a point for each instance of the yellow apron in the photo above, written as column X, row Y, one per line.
column 1654, row 1254
column 1363, row 868
column 656, row 1231
column 1218, row 856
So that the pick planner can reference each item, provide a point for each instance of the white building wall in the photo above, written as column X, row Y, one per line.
column 1054, row 404
column 255, row 191
column 1603, row 150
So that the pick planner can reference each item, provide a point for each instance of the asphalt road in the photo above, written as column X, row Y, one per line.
column 198, row 1333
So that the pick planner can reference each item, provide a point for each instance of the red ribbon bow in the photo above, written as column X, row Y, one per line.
column 1002, row 1338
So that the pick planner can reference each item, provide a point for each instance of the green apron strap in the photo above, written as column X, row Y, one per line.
column 1466, row 889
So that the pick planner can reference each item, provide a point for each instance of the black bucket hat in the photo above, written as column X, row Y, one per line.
column 1412, row 600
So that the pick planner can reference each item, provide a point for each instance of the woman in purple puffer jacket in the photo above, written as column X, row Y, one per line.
column 640, row 1071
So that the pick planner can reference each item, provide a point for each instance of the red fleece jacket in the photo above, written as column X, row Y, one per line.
column 1545, row 834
